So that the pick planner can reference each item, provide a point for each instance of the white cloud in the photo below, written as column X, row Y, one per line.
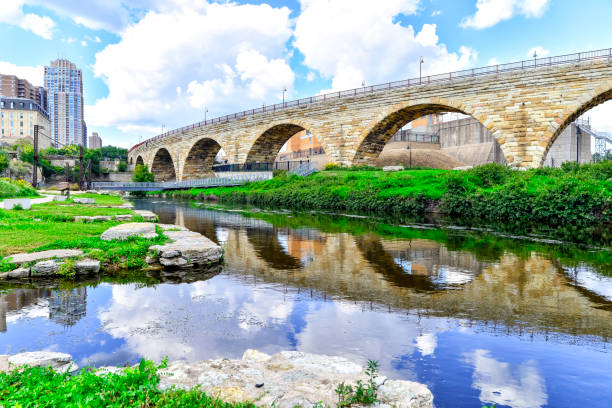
column 310, row 76
column 226, row 56
column 35, row 75
column 539, row 50
column 110, row 15
column 436, row 13
column 97, row 39
column 352, row 41
column 84, row 43
column 11, row 12
column 500, row 383
column 491, row 12
column 493, row 61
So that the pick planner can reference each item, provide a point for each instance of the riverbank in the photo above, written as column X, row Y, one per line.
column 573, row 203
column 287, row 379
column 92, row 233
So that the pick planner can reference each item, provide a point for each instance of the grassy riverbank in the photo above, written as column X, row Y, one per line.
column 134, row 387
column 52, row 225
column 572, row 203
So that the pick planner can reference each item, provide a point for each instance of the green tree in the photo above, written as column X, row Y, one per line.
column 4, row 160
column 142, row 174
column 122, row 166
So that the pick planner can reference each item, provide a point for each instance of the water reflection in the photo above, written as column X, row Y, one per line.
column 507, row 329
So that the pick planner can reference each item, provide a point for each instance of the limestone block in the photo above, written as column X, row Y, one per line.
column 45, row 268
column 87, row 266
column 37, row 256
column 82, row 200
column 124, row 231
column 60, row 362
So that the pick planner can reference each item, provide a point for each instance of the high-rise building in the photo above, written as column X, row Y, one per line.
column 64, row 84
column 14, row 87
column 95, row 141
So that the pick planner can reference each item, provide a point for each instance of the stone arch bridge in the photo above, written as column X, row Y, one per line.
column 525, row 105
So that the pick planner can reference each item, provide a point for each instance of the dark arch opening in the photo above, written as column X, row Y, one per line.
column 446, row 137
column 163, row 166
column 131, row 161
column 572, row 140
column 200, row 160
column 139, row 161
column 298, row 146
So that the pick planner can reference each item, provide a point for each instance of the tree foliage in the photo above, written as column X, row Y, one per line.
column 142, row 174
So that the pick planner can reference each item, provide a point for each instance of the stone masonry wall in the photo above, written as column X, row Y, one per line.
column 524, row 110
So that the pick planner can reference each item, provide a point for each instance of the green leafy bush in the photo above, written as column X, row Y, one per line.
column 142, row 174
column 16, row 188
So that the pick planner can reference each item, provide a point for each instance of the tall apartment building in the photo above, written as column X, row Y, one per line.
column 95, row 141
column 14, row 87
column 64, row 84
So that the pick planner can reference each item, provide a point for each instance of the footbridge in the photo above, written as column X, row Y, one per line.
column 525, row 105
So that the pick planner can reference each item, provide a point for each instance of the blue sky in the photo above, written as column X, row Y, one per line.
column 148, row 63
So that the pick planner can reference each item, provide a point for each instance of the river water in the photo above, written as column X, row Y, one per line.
column 479, row 319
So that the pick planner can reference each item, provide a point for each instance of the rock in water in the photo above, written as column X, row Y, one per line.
column 38, row 256
column 187, row 249
column 124, row 231
column 60, row 362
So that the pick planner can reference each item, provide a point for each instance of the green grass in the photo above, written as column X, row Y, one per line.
column 16, row 189
column 101, row 199
column 572, row 203
column 65, row 210
column 136, row 387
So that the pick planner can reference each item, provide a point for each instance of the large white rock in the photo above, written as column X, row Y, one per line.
column 393, row 168
column 87, row 266
column 187, row 249
column 82, row 200
column 60, row 362
column 147, row 215
column 37, row 256
column 131, row 229
column 45, row 268
column 10, row 203
column 287, row 379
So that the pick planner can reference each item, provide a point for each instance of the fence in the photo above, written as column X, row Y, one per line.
column 423, row 80
column 172, row 185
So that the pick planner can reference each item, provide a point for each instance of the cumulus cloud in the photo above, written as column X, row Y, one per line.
column 501, row 383
column 35, row 75
column 11, row 12
column 539, row 50
column 357, row 41
column 225, row 56
column 490, row 12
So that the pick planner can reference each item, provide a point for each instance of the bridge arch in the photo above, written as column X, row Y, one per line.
column 140, row 161
column 163, row 166
column 592, row 99
column 200, row 158
column 377, row 133
column 268, row 143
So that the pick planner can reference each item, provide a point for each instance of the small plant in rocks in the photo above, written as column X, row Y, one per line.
column 362, row 394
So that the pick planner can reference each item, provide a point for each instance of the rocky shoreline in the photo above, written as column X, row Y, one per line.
column 285, row 380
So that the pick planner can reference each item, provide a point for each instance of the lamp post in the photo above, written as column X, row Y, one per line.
column 421, row 61
column 205, row 112
column 578, row 134
column 535, row 56
column 284, row 90
column 410, row 153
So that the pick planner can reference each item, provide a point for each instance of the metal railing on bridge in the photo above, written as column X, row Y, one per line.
column 233, row 180
column 267, row 166
column 423, row 80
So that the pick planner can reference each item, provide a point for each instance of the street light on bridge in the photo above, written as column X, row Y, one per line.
column 421, row 61
column 284, row 90
column 205, row 112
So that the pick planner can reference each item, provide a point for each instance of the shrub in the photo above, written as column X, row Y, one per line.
column 122, row 166
column 142, row 174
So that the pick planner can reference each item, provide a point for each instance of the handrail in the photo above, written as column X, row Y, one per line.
column 424, row 80
column 225, row 180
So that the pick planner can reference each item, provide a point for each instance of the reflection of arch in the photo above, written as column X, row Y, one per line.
column 139, row 161
column 383, row 263
column 200, row 159
column 266, row 245
column 375, row 137
column 569, row 115
column 163, row 166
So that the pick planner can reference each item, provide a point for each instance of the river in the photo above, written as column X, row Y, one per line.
column 479, row 319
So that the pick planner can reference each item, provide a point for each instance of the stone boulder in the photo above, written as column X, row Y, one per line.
column 10, row 203
column 146, row 215
column 87, row 266
column 45, row 268
column 38, row 256
column 60, row 362
column 82, row 200
column 287, row 379
column 187, row 249
column 393, row 168
column 132, row 229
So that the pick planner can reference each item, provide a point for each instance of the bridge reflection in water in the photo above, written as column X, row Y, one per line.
column 523, row 294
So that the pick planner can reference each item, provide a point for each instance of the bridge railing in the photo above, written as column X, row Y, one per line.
column 226, row 180
column 423, row 80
